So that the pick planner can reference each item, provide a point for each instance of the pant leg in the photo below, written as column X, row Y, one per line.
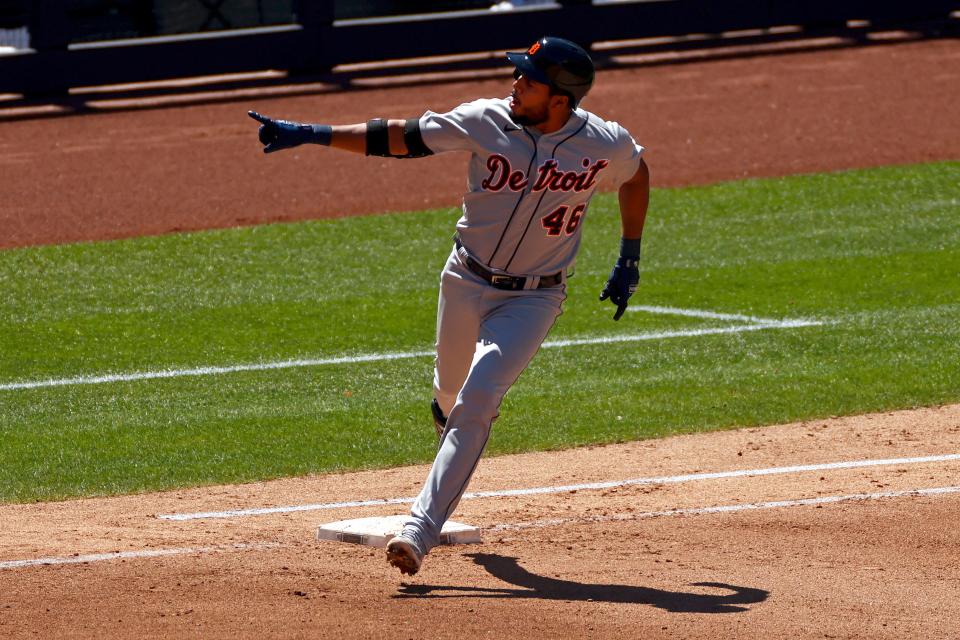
column 459, row 311
column 510, row 335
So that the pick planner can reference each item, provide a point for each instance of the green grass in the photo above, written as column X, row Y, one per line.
column 874, row 254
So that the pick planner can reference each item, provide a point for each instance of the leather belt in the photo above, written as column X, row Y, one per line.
column 501, row 281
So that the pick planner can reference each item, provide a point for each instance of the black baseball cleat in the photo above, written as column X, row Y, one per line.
column 439, row 420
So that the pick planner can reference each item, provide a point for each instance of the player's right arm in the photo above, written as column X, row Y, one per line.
column 390, row 138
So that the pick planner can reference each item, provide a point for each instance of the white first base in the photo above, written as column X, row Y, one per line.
column 376, row 532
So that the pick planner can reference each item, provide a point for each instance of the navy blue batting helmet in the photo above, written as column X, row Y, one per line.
column 559, row 63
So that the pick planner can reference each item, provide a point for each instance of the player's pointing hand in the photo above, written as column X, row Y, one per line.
column 268, row 132
column 284, row 134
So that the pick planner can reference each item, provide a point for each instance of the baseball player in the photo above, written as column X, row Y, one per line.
column 537, row 160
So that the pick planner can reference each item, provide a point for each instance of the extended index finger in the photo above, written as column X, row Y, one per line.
column 259, row 118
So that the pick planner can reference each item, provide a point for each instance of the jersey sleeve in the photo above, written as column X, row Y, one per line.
column 625, row 161
column 452, row 131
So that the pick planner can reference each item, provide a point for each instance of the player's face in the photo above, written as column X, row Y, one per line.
column 529, row 102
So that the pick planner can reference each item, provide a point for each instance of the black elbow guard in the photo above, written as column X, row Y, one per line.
column 378, row 142
column 414, row 139
column 378, row 139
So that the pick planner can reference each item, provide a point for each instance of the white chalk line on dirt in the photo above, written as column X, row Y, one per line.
column 124, row 555
column 591, row 486
column 158, row 553
column 730, row 508
column 382, row 357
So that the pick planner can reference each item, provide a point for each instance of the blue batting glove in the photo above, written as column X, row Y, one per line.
column 625, row 276
column 281, row 134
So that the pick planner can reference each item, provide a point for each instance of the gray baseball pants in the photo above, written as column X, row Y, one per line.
column 486, row 337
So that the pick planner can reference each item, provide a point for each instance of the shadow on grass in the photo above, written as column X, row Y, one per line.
column 508, row 569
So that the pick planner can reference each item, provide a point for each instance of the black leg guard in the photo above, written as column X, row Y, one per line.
column 439, row 420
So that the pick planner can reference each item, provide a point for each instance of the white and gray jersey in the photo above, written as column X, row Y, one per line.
column 528, row 192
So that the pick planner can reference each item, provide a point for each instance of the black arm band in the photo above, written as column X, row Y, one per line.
column 414, row 140
column 378, row 139
column 378, row 143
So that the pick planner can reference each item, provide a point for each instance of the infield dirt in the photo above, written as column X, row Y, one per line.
column 885, row 568
column 586, row 563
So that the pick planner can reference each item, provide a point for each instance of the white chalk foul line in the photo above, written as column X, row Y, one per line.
column 699, row 313
column 210, row 371
column 381, row 357
column 731, row 508
column 854, row 464
column 123, row 555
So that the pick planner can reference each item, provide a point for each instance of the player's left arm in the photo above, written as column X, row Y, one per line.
column 634, row 196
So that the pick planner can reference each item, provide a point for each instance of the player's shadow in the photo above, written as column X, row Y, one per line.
column 531, row 585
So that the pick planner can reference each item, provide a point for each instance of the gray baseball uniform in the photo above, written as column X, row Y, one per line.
column 505, row 280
